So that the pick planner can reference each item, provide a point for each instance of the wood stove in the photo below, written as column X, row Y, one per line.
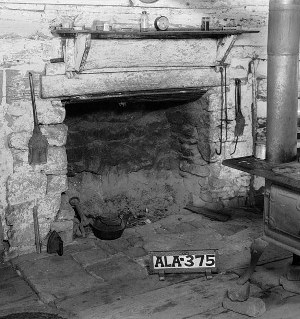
column 281, row 199
column 281, row 168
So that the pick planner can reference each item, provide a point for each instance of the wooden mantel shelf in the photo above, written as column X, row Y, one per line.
column 170, row 34
column 91, row 68
column 286, row 175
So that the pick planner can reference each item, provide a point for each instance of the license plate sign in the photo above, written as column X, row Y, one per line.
column 183, row 261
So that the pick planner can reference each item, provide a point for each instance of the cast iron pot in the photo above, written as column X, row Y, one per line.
column 105, row 228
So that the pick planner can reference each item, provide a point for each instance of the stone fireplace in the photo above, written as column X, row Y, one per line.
column 150, row 156
column 147, row 157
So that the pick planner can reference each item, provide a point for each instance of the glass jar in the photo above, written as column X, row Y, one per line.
column 144, row 21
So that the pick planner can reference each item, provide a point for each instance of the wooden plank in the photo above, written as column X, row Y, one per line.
column 175, row 34
column 55, row 68
column 59, row 86
column 175, row 94
column 151, row 53
column 161, row 3
column 277, row 173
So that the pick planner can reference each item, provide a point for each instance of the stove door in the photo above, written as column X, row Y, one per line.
column 282, row 216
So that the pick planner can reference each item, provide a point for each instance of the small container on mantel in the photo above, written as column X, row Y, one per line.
column 144, row 22
column 205, row 23
column 260, row 150
column 67, row 23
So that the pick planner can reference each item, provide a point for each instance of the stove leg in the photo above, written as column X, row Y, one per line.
column 293, row 272
column 296, row 260
column 257, row 248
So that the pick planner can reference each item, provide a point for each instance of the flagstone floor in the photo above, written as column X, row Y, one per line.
column 96, row 279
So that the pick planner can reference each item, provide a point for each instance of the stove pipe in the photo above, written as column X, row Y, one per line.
column 282, row 85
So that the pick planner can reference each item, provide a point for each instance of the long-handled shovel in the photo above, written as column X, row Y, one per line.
column 38, row 144
column 239, row 117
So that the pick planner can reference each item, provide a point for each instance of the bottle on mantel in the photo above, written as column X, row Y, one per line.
column 144, row 22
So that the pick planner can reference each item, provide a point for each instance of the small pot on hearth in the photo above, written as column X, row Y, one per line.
column 105, row 228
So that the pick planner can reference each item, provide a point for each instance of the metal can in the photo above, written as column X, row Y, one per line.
column 106, row 26
column 205, row 23
column 260, row 150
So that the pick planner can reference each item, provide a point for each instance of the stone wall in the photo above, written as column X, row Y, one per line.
column 27, row 44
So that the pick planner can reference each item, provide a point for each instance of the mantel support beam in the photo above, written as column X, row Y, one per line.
column 76, row 51
column 224, row 47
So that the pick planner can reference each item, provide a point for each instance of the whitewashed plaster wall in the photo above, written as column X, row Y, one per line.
column 26, row 44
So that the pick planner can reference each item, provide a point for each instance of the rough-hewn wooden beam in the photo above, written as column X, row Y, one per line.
column 59, row 86
column 147, row 53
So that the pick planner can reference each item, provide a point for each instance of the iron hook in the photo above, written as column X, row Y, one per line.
column 236, row 141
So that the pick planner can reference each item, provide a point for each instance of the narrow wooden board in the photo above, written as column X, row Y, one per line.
column 153, row 52
column 254, row 166
column 59, row 86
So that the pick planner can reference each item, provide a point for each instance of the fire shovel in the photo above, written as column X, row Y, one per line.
column 38, row 144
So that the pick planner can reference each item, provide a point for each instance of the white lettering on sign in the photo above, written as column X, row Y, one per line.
column 184, row 261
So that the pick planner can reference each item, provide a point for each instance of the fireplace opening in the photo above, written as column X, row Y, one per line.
column 140, row 156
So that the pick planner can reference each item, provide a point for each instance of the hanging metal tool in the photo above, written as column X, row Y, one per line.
column 222, row 105
column 225, row 99
column 38, row 144
column 239, row 117
column 223, row 72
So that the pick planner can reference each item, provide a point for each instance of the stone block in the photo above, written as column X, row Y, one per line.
column 20, row 214
column 55, row 134
column 55, row 68
column 262, row 108
column 57, row 103
column 206, row 197
column 239, row 292
column 136, row 252
column 26, row 186
column 20, row 218
column 17, row 86
column 218, row 182
column 198, row 170
column 265, row 278
column 57, row 184
column 290, row 285
column 197, row 201
column 60, row 226
column 64, row 229
column 262, row 69
column 20, row 162
column 49, row 206
column 21, row 235
column 56, row 161
column 135, row 241
column 90, row 256
column 22, row 123
column 47, row 114
column 66, row 212
column 58, row 272
column 22, row 118
column 117, row 267
column 18, row 108
column 19, row 140
column 262, row 89
column 253, row 307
